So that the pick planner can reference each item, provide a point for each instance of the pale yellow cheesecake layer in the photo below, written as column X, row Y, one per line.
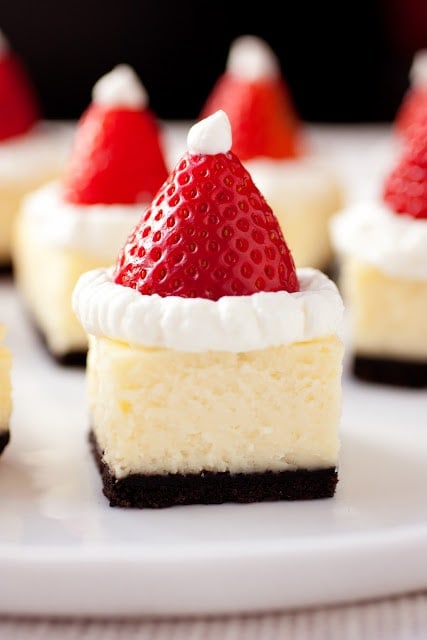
column 45, row 279
column 387, row 314
column 165, row 411
column 304, row 219
column 5, row 384
column 11, row 195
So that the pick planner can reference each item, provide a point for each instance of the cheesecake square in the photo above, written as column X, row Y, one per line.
column 388, row 326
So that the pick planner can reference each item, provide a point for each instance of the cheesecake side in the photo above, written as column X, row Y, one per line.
column 5, row 393
column 45, row 278
column 160, row 412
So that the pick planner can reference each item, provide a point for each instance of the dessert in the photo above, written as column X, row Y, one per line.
column 79, row 221
column 5, row 392
column 382, row 246
column 270, row 139
column 412, row 112
column 214, row 367
column 32, row 150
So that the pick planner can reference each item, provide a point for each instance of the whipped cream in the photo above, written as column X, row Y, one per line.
column 120, row 87
column 250, row 58
column 96, row 230
column 418, row 71
column 394, row 243
column 211, row 135
column 232, row 323
column 37, row 153
column 4, row 44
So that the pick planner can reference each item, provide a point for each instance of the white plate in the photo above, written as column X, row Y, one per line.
column 64, row 551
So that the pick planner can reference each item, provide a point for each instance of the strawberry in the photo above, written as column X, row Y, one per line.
column 208, row 233
column 19, row 109
column 116, row 157
column 405, row 189
column 253, row 93
column 262, row 119
column 412, row 113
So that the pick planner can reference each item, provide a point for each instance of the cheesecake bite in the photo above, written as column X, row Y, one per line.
column 5, row 391
column 382, row 246
column 32, row 150
column 80, row 221
column 214, row 366
column 270, row 139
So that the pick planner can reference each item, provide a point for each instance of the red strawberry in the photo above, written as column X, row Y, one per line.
column 208, row 233
column 412, row 113
column 257, row 101
column 117, row 157
column 405, row 189
column 19, row 110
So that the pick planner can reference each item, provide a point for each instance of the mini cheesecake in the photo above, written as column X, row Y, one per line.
column 32, row 151
column 79, row 222
column 5, row 392
column 214, row 367
column 382, row 248
column 270, row 139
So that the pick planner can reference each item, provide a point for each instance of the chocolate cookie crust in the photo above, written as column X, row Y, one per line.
column 399, row 373
column 159, row 491
column 4, row 440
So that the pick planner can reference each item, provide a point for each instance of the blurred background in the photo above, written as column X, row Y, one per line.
column 343, row 61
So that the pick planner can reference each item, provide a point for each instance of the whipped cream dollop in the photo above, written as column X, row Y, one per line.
column 394, row 243
column 250, row 58
column 36, row 154
column 121, row 87
column 211, row 135
column 97, row 230
column 418, row 70
column 232, row 323
column 4, row 44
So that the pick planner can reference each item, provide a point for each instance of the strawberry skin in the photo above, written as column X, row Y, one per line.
column 208, row 233
column 412, row 113
column 405, row 189
column 19, row 110
column 116, row 158
column 262, row 117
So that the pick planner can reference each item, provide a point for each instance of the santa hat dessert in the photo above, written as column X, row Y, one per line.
column 382, row 246
column 77, row 222
column 31, row 150
column 214, row 366
column 270, row 138
column 412, row 112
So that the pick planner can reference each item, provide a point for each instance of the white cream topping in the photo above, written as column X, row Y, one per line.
column 251, row 58
column 394, row 243
column 96, row 230
column 39, row 152
column 418, row 71
column 232, row 323
column 211, row 135
column 120, row 87
column 4, row 44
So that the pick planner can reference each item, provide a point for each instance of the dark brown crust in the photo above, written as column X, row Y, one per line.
column 4, row 440
column 69, row 359
column 398, row 373
column 6, row 270
column 159, row 491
